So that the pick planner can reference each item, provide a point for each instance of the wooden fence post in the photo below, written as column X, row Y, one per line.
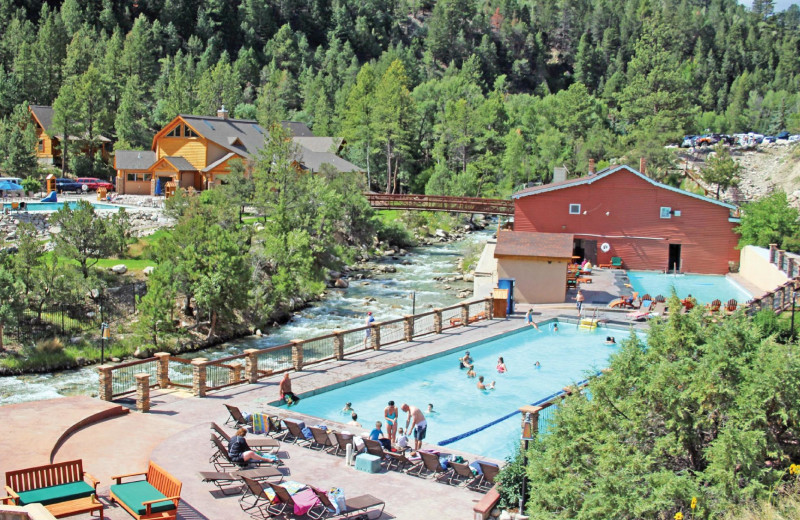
column 437, row 321
column 143, row 392
column 105, row 376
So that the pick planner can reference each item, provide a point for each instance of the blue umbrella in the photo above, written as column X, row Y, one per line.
column 10, row 186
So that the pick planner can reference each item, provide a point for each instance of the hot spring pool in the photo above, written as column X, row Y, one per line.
column 704, row 287
column 566, row 357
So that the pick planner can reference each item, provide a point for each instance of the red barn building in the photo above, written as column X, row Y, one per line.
column 621, row 212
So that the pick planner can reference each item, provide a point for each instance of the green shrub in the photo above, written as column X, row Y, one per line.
column 50, row 346
column 396, row 233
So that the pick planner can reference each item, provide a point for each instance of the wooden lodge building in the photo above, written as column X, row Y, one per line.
column 619, row 212
column 195, row 151
column 48, row 150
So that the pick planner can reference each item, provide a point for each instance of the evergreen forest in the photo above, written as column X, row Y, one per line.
column 456, row 97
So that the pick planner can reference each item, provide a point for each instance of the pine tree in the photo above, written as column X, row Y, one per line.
column 130, row 122
column 393, row 116
column 358, row 122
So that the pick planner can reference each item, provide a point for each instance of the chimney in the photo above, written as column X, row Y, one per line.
column 591, row 167
column 643, row 165
column 222, row 113
column 559, row 174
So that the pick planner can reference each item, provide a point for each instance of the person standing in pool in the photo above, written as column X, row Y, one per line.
column 368, row 333
column 480, row 384
column 390, row 415
column 287, row 396
column 417, row 422
column 529, row 319
column 501, row 366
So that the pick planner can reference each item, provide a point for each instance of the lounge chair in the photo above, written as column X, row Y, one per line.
column 462, row 473
column 341, row 442
column 375, row 448
column 285, row 500
column 321, row 439
column 488, row 474
column 260, row 444
column 255, row 490
column 432, row 466
column 402, row 462
column 295, row 433
column 643, row 312
column 224, row 480
column 351, row 505
column 222, row 460
column 731, row 306
column 616, row 262
column 236, row 417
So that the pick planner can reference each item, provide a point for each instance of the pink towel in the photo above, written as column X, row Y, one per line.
column 304, row 501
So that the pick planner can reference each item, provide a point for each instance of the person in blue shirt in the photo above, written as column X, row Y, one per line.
column 368, row 332
column 377, row 435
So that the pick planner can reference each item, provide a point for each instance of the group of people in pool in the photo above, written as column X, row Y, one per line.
column 466, row 362
column 396, row 437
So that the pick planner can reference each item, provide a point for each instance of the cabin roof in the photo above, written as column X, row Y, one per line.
column 525, row 243
column 134, row 159
column 44, row 115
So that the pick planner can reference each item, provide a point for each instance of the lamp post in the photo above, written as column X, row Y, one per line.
column 105, row 333
column 527, row 435
column 413, row 302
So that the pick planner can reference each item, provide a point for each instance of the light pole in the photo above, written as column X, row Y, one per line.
column 413, row 302
column 527, row 435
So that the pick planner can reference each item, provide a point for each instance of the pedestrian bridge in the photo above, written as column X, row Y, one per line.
column 441, row 203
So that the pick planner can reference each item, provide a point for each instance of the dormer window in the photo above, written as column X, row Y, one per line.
column 175, row 132
column 188, row 132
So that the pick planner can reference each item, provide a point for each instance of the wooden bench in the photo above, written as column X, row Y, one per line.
column 156, row 496
column 63, row 488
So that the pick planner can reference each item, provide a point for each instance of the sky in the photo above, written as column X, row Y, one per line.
column 780, row 5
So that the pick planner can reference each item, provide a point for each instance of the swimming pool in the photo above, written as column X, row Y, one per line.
column 565, row 356
column 55, row 206
column 704, row 287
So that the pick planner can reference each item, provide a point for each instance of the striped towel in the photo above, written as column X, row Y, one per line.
column 260, row 423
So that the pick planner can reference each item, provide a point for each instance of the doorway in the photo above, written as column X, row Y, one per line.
column 585, row 249
column 674, row 259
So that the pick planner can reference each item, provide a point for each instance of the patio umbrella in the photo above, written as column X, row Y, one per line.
column 10, row 186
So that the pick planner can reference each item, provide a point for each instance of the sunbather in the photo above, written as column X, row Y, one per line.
column 239, row 451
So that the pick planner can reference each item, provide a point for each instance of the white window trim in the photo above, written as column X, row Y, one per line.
column 574, row 212
column 665, row 210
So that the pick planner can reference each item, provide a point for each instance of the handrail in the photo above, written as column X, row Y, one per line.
column 291, row 354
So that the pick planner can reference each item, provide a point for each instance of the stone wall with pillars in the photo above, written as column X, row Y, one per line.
column 142, row 392
column 408, row 327
column 199, row 377
column 251, row 365
column 104, row 375
column 162, row 369
column 297, row 354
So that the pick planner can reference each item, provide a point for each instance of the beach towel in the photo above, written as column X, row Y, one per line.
column 269, row 456
column 290, row 486
column 304, row 501
column 260, row 423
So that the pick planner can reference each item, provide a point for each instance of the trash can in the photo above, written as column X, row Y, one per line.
column 499, row 302
column 508, row 283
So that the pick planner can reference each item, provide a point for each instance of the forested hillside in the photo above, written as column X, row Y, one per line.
column 462, row 97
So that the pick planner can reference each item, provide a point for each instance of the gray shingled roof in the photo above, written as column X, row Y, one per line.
column 44, row 114
column 314, row 160
column 134, row 159
column 181, row 164
column 225, row 133
column 219, row 161
column 320, row 144
column 297, row 129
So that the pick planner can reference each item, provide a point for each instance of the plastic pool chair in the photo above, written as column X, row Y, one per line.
column 714, row 306
column 616, row 262
column 731, row 306
column 224, row 480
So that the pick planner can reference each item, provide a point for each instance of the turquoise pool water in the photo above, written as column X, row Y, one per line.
column 566, row 357
column 704, row 287
column 55, row 206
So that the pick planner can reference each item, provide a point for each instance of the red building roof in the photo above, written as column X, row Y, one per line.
column 549, row 245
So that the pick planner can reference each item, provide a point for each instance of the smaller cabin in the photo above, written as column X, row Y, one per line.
column 48, row 148
column 537, row 262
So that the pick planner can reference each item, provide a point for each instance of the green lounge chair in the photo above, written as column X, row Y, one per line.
column 616, row 262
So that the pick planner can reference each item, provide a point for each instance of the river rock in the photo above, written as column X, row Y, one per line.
column 469, row 277
column 387, row 269
column 115, row 360
column 463, row 294
column 11, row 236
column 333, row 275
column 341, row 283
column 119, row 269
column 148, row 270
column 447, row 287
column 441, row 233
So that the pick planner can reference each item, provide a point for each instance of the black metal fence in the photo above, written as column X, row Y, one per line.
column 51, row 320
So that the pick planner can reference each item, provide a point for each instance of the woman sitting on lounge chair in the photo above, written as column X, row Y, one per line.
column 240, row 452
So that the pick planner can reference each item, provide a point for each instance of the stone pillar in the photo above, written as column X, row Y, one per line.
column 375, row 336
column 236, row 373
column 408, row 327
column 199, row 377
column 338, row 345
column 773, row 249
column 297, row 354
column 437, row 321
column 251, row 365
column 143, row 392
column 105, row 376
column 162, row 369
column 488, row 308
column 781, row 256
column 790, row 267
column 464, row 314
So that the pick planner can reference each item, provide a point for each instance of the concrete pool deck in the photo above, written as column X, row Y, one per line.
column 175, row 434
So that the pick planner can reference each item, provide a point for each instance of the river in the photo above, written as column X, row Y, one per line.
column 341, row 309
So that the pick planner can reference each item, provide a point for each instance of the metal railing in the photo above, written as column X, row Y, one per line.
column 202, row 375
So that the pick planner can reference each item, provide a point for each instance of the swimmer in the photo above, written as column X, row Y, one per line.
column 481, row 386
column 529, row 319
column 466, row 361
column 610, row 340
column 555, row 327
column 430, row 411
column 348, row 408
column 537, row 365
column 470, row 372
column 501, row 365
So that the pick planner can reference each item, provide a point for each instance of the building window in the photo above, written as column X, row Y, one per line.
column 147, row 176
column 175, row 132
column 41, row 145
column 666, row 212
column 574, row 209
column 188, row 132
column 131, row 176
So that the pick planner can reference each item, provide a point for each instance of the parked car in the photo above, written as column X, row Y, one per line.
column 688, row 141
column 94, row 184
column 708, row 140
column 782, row 135
column 768, row 139
column 793, row 138
column 64, row 185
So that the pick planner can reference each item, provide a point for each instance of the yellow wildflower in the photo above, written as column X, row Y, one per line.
column 794, row 469
column 694, row 502
column 678, row 516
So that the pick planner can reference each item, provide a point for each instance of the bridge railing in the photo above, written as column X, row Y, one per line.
column 441, row 203
column 202, row 375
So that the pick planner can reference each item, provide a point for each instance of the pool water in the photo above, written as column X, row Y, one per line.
column 703, row 287
column 566, row 357
column 55, row 206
